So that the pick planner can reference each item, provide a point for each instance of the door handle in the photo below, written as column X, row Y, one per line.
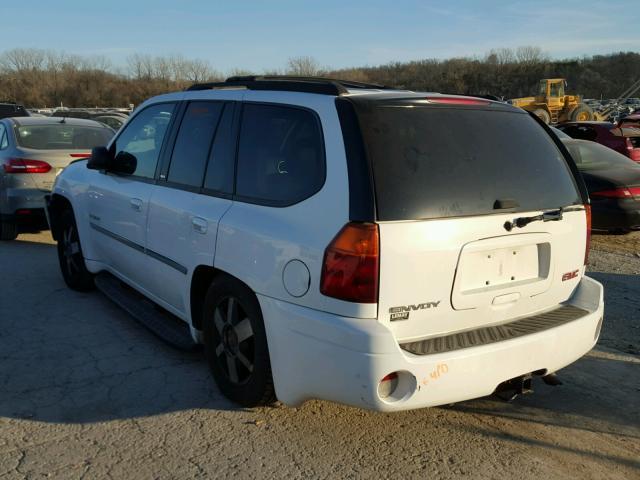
column 199, row 224
column 136, row 204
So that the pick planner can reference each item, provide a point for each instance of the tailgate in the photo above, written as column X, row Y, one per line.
column 450, row 275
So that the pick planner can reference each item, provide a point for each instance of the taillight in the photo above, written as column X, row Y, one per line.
column 629, row 144
column 458, row 100
column 24, row 165
column 351, row 264
column 587, row 209
column 621, row 192
column 79, row 155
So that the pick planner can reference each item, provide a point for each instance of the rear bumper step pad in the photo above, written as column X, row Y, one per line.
column 497, row 333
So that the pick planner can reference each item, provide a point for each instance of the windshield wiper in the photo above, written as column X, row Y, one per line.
column 550, row 216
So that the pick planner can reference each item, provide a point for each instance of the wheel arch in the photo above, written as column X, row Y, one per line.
column 201, row 280
column 57, row 205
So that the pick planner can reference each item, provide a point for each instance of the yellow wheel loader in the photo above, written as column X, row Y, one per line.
column 552, row 106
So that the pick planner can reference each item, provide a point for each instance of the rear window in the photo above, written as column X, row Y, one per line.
column 438, row 162
column 593, row 156
column 62, row 137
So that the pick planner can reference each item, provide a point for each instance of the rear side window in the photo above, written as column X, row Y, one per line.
column 280, row 155
column 438, row 162
column 4, row 141
column 191, row 150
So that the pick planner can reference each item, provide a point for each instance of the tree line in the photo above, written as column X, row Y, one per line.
column 38, row 78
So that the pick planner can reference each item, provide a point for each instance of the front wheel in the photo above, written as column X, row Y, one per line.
column 236, row 343
column 543, row 115
column 72, row 266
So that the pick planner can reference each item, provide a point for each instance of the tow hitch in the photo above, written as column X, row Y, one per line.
column 521, row 385
column 510, row 389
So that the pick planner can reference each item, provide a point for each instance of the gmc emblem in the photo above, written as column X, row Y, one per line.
column 569, row 275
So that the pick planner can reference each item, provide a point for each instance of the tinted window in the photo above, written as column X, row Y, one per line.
column 280, row 155
column 435, row 162
column 220, row 171
column 143, row 137
column 193, row 142
column 580, row 132
column 593, row 156
column 4, row 142
column 62, row 136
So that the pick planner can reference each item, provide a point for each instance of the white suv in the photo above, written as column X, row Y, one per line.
column 335, row 240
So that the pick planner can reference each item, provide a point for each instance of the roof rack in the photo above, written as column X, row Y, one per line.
column 320, row 85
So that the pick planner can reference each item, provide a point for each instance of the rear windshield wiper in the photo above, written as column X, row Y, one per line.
column 550, row 216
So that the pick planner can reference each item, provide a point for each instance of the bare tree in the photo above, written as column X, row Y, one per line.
column 303, row 67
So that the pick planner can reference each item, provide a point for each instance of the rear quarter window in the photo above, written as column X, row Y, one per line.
column 438, row 162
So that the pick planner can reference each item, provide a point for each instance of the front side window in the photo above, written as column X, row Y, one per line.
column 280, row 155
column 143, row 137
column 193, row 142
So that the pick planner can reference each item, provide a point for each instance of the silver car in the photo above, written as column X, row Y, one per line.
column 33, row 150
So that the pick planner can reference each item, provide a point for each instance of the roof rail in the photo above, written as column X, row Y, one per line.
column 320, row 85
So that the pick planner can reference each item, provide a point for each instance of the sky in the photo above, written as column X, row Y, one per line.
column 260, row 35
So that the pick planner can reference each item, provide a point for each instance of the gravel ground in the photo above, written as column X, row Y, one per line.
column 85, row 392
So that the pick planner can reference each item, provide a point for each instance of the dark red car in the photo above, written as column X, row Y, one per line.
column 623, row 139
column 630, row 121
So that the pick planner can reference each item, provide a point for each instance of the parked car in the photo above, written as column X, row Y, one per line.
column 623, row 140
column 337, row 240
column 10, row 109
column 613, row 182
column 113, row 121
column 33, row 150
column 630, row 121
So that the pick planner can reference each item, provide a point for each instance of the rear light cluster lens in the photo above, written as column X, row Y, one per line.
column 618, row 193
column 24, row 165
column 351, row 264
column 458, row 100
column 588, row 246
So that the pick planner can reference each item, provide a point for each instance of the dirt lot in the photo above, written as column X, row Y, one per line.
column 85, row 392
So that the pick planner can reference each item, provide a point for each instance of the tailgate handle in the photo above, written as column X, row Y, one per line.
column 508, row 298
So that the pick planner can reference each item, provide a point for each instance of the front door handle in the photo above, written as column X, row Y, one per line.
column 199, row 224
column 136, row 204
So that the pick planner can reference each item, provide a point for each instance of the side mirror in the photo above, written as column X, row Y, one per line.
column 101, row 159
column 124, row 163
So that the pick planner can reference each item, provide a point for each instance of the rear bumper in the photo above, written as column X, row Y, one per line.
column 614, row 215
column 319, row 355
column 14, row 199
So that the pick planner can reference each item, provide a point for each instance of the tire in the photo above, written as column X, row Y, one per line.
column 235, row 343
column 543, row 115
column 581, row 113
column 72, row 266
column 8, row 230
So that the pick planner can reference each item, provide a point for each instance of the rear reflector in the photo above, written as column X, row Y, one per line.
column 23, row 211
column 351, row 264
column 79, row 155
column 588, row 246
column 458, row 100
column 24, row 165
column 618, row 193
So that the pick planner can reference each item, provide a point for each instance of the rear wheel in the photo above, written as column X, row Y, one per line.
column 8, row 230
column 72, row 266
column 543, row 115
column 581, row 113
column 236, row 343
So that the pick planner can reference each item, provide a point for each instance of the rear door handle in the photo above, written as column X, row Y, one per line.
column 199, row 224
column 136, row 204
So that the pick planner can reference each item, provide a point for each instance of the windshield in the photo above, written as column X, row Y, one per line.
column 593, row 156
column 61, row 136
column 436, row 162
